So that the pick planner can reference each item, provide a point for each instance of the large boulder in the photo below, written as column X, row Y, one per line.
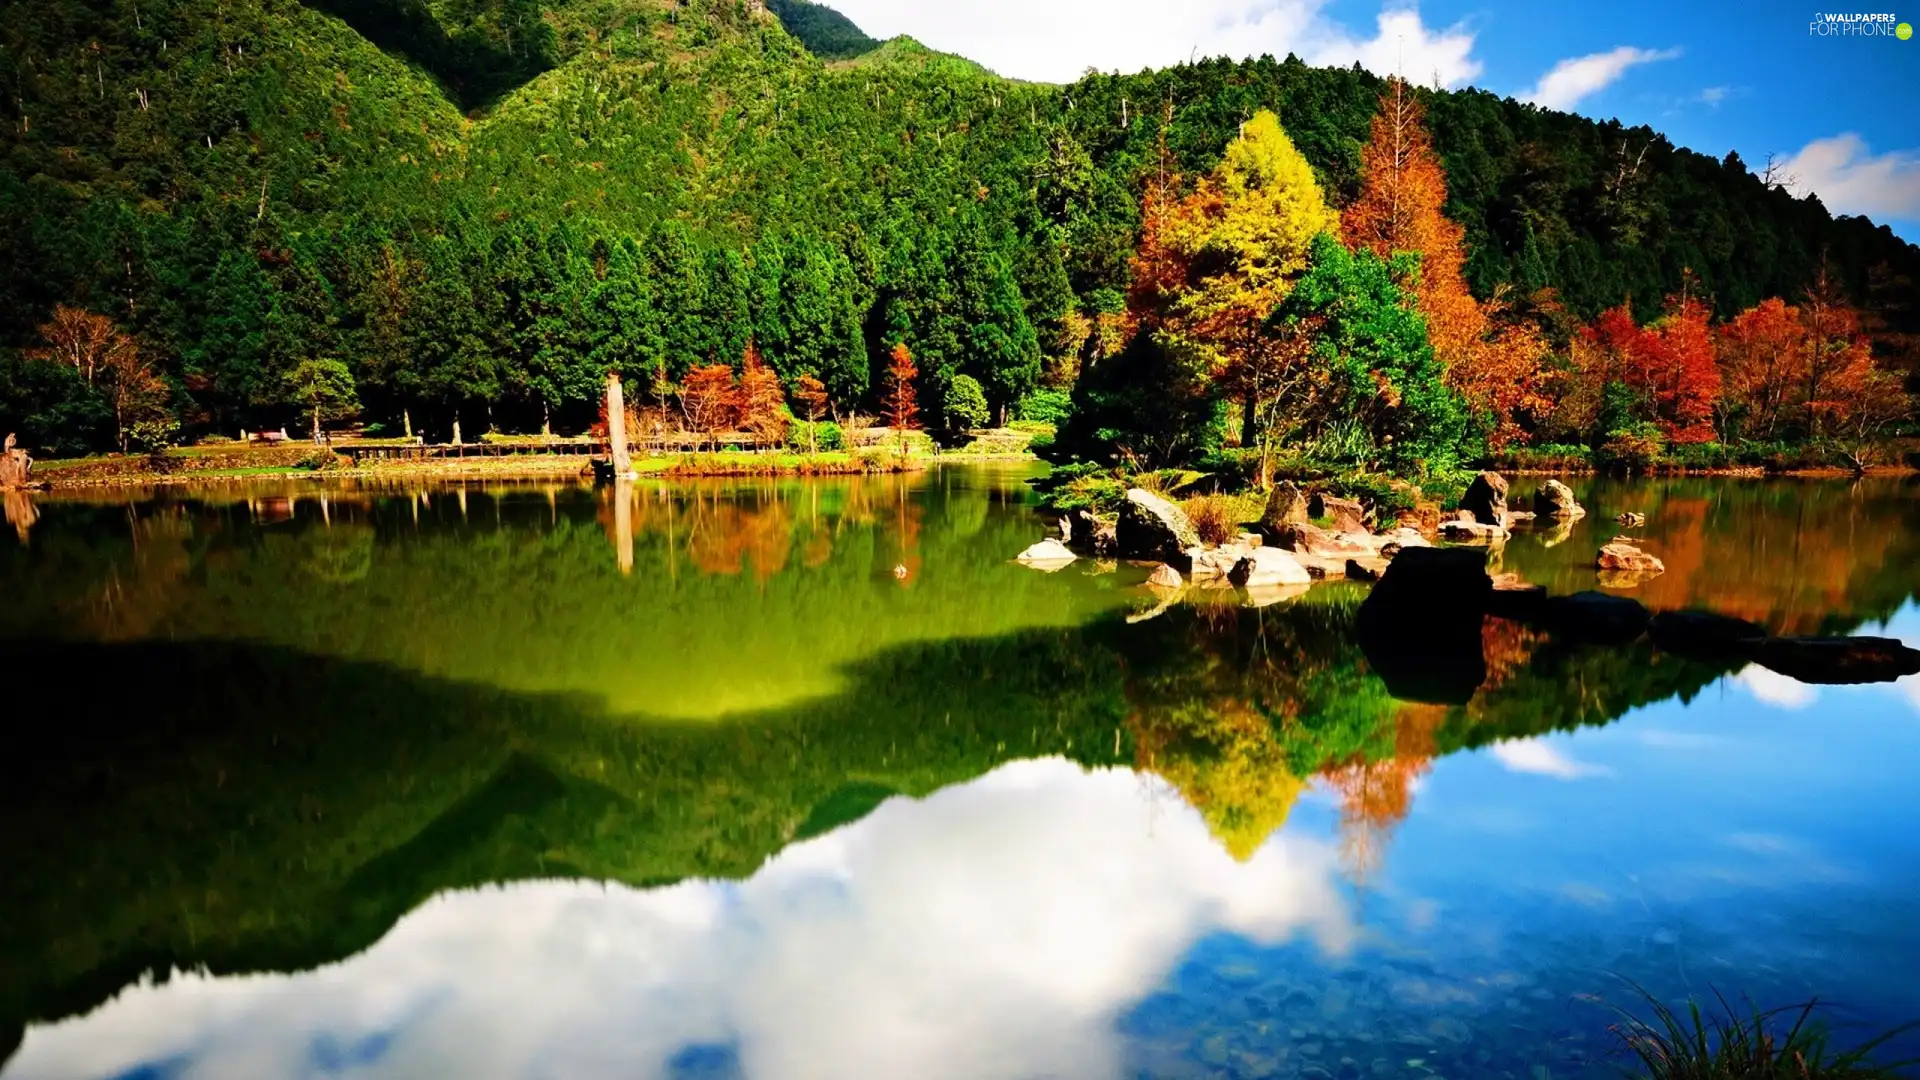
column 1285, row 505
column 1514, row 598
column 1266, row 568
column 1152, row 528
column 1840, row 661
column 1420, row 626
column 1366, row 569
column 1164, row 577
column 1623, row 557
column 1486, row 499
column 1048, row 555
column 1212, row 563
column 1347, row 514
column 1554, row 500
column 1596, row 617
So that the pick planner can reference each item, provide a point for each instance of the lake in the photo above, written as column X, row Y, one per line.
column 796, row 778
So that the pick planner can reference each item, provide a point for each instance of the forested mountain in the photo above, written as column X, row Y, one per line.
column 430, row 209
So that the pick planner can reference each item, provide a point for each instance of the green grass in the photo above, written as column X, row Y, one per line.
column 1728, row 1044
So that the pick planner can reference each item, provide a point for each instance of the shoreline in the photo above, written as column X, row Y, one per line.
column 518, row 468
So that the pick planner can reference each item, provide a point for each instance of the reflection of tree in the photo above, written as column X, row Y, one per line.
column 1234, row 706
column 341, row 555
column 137, row 594
column 20, row 512
column 1377, row 795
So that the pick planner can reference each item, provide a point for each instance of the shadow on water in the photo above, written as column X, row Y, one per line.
column 278, row 802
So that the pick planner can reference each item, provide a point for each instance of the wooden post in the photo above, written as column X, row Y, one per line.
column 617, row 425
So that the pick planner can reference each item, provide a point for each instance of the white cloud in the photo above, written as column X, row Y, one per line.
column 1542, row 759
column 1714, row 95
column 1775, row 689
column 1057, row 40
column 995, row 929
column 1574, row 80
column 1851, row 180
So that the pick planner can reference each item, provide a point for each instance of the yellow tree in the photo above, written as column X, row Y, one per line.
column 1229, row 253
column 1402, row 208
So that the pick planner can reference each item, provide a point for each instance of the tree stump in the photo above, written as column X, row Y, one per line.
column 16, row 468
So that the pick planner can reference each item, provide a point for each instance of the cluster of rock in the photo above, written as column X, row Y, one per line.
column 1287, row 551
column 16, row 468
column 1421, row 630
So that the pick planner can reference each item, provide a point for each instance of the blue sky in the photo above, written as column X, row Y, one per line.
column 1841, row 113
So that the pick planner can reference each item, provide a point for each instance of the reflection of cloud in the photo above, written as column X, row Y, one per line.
column 1541, row 759
column 993, row 929
column 1776, row 689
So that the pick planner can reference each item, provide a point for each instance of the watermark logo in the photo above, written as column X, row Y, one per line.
column 1857, row 24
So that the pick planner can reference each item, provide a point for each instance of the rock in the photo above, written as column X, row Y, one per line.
column 1622, row 556
column 1513, row 598
column 1267, row 568
column 1555, row 500
column 1152, row 528
column 1471, row 532
column 1486, row 499
column 1091, row 534
column 1399, row 540
column 1595, row 617
column 1347, row 514
column 1704, row 635
column 1250, row 540
column 1842, row 661
column 1164, row 577
column 1048, row 555
column 1632, row 520
column 1420, row 626
column 1366, row 569
column 1324, row 567
column 1516, row 516
column 1303, row 539
column 16, row 468
column 1204, row 563
column 1285, row 505
column 1259, row 596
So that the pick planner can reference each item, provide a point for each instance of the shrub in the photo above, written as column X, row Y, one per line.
column 153, row 437
column 1212, row 517
column 1046, row 406
column 1630, row 449
column 827, row 436
column 1081, row 486
column 966, row 406
column 319, row 460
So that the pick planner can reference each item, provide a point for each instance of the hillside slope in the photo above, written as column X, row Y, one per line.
column 436, row 193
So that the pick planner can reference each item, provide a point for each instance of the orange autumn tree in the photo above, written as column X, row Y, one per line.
column 901, row 402
column 762, row 402
column 710, row 400
column 1401, row 208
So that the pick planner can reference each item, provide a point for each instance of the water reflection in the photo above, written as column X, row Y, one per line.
column 997, row 929
column 330, row 709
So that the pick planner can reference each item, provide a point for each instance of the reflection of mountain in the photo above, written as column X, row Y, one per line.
column 997, row 928
column 280, row 804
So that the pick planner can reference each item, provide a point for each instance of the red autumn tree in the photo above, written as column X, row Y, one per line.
column 86, row 342
column 762, row 402
column 901, row 401
column 1684, row 379
column 710, row 400
column 1760, row 352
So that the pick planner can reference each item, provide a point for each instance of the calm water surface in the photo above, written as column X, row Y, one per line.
column 549, row 782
